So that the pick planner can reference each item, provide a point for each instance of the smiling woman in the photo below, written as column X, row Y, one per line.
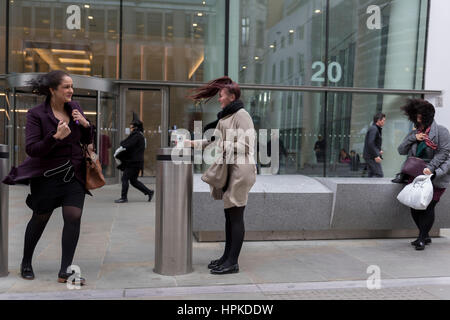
column 54, row 168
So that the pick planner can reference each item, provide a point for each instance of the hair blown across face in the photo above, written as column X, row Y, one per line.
column 414, row 107
column 45, row 82
column 213, row 87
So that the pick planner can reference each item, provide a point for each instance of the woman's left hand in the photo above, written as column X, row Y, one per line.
column 427, row 171
column 77, row 116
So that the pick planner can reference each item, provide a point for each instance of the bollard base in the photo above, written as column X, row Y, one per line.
column 173, row 272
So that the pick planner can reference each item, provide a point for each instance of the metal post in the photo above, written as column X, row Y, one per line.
column 173, row 234
column 4, row 206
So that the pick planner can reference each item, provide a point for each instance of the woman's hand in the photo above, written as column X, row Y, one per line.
column 77, row 116
column 62, row 131
column 427, row 171
column 420, row 136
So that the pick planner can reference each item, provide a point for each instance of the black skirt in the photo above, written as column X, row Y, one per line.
column 57, row 188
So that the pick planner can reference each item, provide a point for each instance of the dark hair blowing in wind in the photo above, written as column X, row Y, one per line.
column 213, row 87
column 42, row 84
column 413, row 107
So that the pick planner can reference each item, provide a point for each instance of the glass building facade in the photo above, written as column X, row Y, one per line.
column 316, row 70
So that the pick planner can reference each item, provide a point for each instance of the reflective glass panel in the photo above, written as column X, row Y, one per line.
column 280, row 41
column 349, row 116
column 108, row 134
column 173, row 40
column 377, row 44
column 147, row 105
column 80, row 38
column 4, row 113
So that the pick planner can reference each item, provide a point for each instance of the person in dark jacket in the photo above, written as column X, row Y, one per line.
column 132, row 158
column 372, row 146
column 55, row 167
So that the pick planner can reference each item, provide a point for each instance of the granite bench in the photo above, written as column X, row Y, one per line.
column 296, row 207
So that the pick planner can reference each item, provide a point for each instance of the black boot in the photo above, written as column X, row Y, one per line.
column 150, row 195
column 400, row 178
column 26, row 271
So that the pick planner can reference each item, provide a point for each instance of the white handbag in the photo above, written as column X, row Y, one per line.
column 418, row 194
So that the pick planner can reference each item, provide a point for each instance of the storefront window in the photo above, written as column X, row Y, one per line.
column 174, row 40
column 80, row 38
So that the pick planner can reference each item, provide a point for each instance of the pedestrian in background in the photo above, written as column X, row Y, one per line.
column 430, row 142
column 55, row 167
column 373, row 155
column 241, row 177
column 132, row 160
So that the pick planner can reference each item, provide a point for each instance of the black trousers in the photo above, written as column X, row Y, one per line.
column 374, row 168
column 424, row 219
column 130, row 175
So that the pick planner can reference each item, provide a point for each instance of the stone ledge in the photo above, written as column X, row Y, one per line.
column 295, row 207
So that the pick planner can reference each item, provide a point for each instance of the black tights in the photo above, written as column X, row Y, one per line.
column 70, row 235
column 234, row 235
column 424, row 219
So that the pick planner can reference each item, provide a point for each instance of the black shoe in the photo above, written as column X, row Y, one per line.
column 400, row 178
column 225, row 270
column 150, row 195
column 26, row 271
column 427, row 241
column 214, row 264
column 63, row 276
column 121, row 200
column 420, row 245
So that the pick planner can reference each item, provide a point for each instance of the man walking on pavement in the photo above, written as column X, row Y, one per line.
column 131, row 154
column 372, row 146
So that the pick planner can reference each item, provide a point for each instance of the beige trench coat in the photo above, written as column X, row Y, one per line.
column 237, row 143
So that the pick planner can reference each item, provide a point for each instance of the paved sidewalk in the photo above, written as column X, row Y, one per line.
column 116, row 256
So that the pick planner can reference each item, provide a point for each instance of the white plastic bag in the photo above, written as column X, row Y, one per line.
column 418, row 194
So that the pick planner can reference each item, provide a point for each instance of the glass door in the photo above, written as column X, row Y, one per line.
column 5, row 108
column 149, row 104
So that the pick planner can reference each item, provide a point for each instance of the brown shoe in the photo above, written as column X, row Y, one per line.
column 63, row 276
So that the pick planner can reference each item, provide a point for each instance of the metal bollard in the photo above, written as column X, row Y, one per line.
column 4, row 207
column 173, row 227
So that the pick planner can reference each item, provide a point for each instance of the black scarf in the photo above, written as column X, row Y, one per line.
column 233, row 107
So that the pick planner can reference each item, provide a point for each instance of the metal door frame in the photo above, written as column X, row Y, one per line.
column 164, row 109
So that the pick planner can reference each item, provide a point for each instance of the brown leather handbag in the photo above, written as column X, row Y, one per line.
column 94, row 175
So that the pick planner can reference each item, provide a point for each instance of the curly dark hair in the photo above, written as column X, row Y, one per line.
column 42, row 84
column 413, row 107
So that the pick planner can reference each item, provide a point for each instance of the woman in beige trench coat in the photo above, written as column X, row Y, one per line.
column 236, row 137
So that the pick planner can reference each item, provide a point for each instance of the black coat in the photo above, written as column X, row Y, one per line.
column 133, row 156
column 372, row 145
